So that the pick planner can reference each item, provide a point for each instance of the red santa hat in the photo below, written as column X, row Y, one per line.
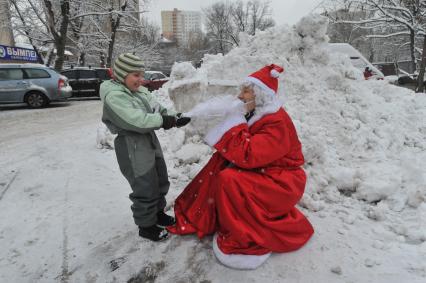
column 267, row 78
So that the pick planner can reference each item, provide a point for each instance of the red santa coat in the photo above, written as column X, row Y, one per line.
column 248, row 190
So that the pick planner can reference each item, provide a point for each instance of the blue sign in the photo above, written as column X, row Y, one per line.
column 17, row 53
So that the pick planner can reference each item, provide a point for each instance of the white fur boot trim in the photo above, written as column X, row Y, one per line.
column 238, row 261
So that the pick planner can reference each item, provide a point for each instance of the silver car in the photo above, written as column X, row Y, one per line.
column 34, row 84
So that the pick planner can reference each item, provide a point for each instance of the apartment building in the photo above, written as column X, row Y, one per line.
column 180, row 25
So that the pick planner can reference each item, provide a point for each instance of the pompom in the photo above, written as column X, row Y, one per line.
column 275, row 73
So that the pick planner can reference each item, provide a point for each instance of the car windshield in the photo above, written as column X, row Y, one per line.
column 102, row 74
column 87, row 74
column 70, row 74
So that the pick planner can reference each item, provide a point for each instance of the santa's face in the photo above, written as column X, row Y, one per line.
column 247, row 96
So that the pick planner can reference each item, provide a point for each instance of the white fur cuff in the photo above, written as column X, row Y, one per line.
column 215, row 134
column 238, row 261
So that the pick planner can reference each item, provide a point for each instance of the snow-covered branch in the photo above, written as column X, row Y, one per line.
column 388, row 35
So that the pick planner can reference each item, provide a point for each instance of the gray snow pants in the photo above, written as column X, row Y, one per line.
column 149, row 190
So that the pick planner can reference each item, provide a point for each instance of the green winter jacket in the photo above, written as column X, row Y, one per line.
column 134, row 115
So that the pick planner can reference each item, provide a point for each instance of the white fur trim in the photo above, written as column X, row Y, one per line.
column 215, row 134
column 275, row 73
column 265, row 110
column 260, row 84
column 238, row 261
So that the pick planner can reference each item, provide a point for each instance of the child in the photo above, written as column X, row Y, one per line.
column 131, row 112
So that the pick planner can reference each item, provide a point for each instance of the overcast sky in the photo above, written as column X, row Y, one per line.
column 284, row 11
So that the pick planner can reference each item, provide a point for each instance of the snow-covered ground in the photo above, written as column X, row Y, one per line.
column 64, row 205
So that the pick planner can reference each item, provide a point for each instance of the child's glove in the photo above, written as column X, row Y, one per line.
column 168, row 122
column 180, row 122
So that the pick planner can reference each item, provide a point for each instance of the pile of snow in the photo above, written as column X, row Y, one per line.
column 364, row 141
column 104, row 138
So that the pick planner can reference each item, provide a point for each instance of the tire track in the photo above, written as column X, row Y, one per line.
column 65, row 274
column 8, row 185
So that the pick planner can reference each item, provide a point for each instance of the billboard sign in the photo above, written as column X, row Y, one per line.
column 17, row 54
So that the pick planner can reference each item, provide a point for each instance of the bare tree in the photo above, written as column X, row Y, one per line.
column 219, row 26
column 225, row 20
column 6, row 33
column 43, row 21
column 89, row 28
column 420, row 80
column 339, row 30
column 396, row 24
column 23, row 21
column 114, row 24
column 391, row 18
column 259, row 15
column 57, row 25
column 240, row 15
column 151, row 31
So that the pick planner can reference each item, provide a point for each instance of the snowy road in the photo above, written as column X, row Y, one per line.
column 65, row 217
column 47, row 177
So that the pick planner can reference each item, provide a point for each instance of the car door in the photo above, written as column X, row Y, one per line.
column 146, row 82
column 162, row 79
column 13, row 87
column 88, row 82
column 72, row 76
column 155, row 81
column 158, row 80
column 41, row 78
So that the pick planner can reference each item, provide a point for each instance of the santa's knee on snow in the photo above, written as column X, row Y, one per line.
column 235, row 184
column 231, row 187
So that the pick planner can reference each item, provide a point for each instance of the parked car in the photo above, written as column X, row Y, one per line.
column 34, row 84
column 86, row 81
column 409, row 81
column 154, row 80
column 357, row 60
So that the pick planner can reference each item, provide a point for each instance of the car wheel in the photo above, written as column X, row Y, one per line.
column 36, row 100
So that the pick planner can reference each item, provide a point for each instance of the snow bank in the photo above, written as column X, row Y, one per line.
column 104, row 138
column 364, row 141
